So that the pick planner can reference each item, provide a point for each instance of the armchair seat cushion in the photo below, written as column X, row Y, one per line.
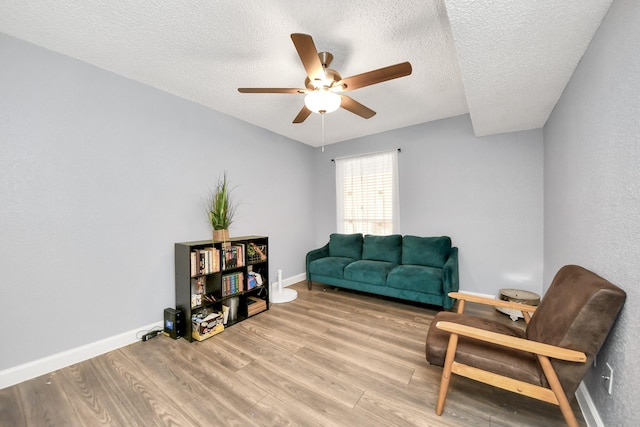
column 367, row 271
column 332, row 266
column 489, row 357
column 416, row 278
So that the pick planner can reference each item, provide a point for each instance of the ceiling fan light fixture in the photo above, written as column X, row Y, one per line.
column 322, row 101
column 318, row 84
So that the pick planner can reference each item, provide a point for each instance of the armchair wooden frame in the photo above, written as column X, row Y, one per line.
column 543, row 352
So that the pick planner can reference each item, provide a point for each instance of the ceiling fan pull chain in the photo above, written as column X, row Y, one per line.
column 322, row 115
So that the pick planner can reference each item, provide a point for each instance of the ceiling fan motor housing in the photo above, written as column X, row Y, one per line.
column 329, row 82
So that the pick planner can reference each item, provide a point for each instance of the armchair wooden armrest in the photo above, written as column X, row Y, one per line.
column 493, row 302
column 513, row 342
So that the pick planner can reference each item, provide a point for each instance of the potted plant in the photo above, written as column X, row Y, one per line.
column 221, row 209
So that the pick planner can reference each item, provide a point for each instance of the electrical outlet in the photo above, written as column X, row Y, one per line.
column 608, row 378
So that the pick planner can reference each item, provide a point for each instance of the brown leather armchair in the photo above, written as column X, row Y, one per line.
column 546, row 361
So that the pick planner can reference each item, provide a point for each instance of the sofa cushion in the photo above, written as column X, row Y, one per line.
column 345, row 245
column 382, row 248
column 429, row 251
column 417, row 278
column 368, row 271
column 330, row 266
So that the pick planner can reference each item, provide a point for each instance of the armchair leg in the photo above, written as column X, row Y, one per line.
column 309, row 284
column 446, row 372
column 555, row 385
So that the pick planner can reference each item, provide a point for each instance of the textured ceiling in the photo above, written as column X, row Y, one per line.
column 504, row 62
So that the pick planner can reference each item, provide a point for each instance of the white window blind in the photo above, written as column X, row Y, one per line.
column 367, row 194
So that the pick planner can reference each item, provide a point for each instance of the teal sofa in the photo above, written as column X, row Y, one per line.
column 420, row 269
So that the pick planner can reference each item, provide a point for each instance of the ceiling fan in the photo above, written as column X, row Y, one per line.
column 323, row 86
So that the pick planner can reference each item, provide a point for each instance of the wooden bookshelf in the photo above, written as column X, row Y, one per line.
column 211, row 275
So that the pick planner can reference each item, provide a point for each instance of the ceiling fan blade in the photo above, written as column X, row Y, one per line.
column 308, row 55
column 269, row 90
column 355, row 107
column 302, row 115
column 376, row 76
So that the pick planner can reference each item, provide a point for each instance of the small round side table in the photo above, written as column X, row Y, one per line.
column 519, row 296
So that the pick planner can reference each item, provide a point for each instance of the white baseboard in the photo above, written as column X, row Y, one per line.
column 30, row 370
column 290, row 280
column 588, row 408
column 477, row 294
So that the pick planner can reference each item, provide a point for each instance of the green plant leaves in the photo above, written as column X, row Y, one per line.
column 220, row 205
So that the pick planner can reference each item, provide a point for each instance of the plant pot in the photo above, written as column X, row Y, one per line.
column 220, row 235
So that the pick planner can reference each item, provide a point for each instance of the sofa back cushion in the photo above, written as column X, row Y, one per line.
column 429, row 251
column 345, row 245
column 382, row 248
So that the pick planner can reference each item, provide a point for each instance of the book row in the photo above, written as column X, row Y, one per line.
column 211, row 260
column 205, row 261
column 232, row 283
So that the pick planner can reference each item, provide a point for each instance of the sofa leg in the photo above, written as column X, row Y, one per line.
column 309, row 284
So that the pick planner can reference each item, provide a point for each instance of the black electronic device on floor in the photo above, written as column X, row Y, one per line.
column 173, row 323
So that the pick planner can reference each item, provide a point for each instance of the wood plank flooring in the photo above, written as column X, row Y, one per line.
column 329, row 358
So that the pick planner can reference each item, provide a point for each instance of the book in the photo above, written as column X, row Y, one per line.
column 230, row 257
column 239, row 250
column 202, row 261
column 194, row 263
column 225, row 314
column 213, row 260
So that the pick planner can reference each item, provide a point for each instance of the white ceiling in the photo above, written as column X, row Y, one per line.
column 506, row 62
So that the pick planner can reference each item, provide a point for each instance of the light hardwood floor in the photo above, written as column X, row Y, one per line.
column 330, row 358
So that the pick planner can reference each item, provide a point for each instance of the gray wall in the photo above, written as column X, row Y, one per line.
column 99, row 176
column 592, row 192
column 486, row 193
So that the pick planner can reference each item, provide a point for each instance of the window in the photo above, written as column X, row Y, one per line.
column 367, row 194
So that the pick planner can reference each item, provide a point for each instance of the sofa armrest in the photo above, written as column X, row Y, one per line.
column 450, row 281
column 315, row 254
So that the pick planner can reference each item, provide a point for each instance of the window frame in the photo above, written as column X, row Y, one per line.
column 367, row 175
